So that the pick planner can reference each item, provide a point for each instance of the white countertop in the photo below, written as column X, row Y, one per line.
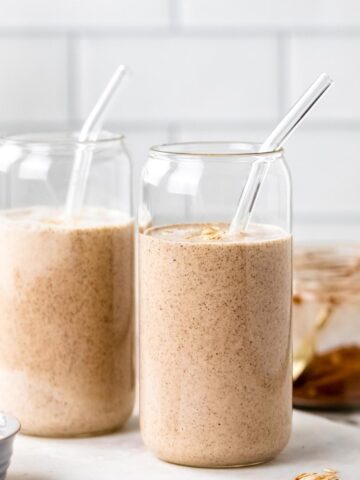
column 316, row 443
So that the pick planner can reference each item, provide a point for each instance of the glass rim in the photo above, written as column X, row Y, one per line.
column 194, row 149
column 330, row 268
column 58, row 138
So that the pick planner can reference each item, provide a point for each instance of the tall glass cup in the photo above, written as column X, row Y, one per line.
column 215, row 311
column 66, row 286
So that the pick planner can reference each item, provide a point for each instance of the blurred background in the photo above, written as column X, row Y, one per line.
column 202, row 69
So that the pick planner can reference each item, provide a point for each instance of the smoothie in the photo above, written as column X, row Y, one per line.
column 215, row 343
column 66, row 302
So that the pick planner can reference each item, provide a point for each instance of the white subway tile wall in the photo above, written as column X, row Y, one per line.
column 83, row 14
column 33, row 79
column 277, row 14
column 180, row 78
column 202, row 69
column 338, row 55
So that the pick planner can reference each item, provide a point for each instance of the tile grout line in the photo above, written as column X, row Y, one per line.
column 283, row 74
column 178, row 30
column 72, row 75
column 139, row 124
column 174, row 15
column 321, row 218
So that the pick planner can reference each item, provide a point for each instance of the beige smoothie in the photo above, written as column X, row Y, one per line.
column 215, row 343
column 66, row 322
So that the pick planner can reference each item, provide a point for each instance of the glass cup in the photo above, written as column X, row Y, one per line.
column 215, row 310
column 326, row 314
column 66, row 286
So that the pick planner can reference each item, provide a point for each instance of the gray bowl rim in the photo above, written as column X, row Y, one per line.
column 15, row 424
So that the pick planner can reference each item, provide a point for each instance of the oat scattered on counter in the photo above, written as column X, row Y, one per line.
column 327, row 474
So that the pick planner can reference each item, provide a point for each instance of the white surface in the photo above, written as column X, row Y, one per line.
column 316, row 444
column 349, row 418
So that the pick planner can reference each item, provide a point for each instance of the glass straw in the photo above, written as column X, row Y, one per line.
column 274, row 141
column 90, row 132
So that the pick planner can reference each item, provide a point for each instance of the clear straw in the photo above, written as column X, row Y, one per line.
column 90, row 132
column 274, row 141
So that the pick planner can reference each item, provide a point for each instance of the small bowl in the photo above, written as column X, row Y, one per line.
column 9, row 427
